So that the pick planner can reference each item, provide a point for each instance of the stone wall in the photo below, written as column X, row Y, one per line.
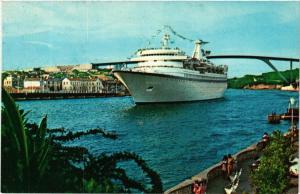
column 210, row 173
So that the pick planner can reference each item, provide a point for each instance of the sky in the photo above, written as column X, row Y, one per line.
column 37, row 34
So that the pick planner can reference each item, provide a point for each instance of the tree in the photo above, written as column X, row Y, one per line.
column 4, row 75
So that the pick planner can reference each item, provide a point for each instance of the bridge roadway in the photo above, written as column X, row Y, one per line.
column 266, row 59
column 252, row 57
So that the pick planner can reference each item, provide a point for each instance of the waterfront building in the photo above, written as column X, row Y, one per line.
column 9, row 81
column 54, row 84
column 13, row 82
column 82, row 85
column 95, row 85
column 35, row 85
column 111, row 85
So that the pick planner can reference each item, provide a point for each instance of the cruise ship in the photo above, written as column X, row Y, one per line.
column 167, row 74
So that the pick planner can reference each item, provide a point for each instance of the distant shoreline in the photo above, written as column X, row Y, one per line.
column 57, row 96
column 266, row 87
column 265, row 81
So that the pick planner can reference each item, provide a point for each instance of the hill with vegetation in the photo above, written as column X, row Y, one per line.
column 270, row 78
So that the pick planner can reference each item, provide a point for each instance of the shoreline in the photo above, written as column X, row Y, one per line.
column 58, row 96
column 265, row 89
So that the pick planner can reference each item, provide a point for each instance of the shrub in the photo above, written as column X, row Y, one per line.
column 35, row 160
column 271, row 176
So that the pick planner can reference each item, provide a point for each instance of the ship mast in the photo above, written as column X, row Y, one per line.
column 197, row 50
column 165, row 41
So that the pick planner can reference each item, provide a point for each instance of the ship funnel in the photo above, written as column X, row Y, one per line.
column 197, row 50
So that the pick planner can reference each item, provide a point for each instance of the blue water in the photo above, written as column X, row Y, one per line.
column 177, row 140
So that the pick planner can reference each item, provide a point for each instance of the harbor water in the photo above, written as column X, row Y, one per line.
column 177, row 140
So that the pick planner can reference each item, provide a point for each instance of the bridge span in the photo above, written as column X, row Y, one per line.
column 265, row 59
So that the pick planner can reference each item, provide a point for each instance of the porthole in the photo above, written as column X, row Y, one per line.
column 149, row 89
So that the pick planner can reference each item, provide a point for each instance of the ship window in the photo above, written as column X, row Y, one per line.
column 149, row 89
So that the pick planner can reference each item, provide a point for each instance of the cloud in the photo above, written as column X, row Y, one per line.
column 113, row 29
column 131, row 18
column 50, row 46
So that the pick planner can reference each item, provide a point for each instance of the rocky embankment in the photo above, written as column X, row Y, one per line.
column 263, row 87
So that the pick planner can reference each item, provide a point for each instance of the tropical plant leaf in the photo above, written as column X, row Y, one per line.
column 15, row 124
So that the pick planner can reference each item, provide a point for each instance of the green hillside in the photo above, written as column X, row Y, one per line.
column 269, row 78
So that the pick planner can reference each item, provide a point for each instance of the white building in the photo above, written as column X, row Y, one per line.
column 82, row 67
column 13, row 81
column 82, row 85
column 67, row 68
column 35, row 85
column 51, row 69
column 8, row 81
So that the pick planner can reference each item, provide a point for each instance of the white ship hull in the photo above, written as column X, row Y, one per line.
column 158, row 88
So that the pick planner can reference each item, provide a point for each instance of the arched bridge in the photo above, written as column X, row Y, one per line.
column 265, row 59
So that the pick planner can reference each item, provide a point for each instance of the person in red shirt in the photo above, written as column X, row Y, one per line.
column 196, row 189
column 202, row 187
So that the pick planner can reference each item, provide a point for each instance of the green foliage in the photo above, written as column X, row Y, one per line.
column 266, row 78
column 24, row 157
column 35, row 160
column 75, row 72
column 4, row 75
column 59, row 75
column 271, row 175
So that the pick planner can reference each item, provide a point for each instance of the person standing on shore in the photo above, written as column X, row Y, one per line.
column 230, row 163
column 202, row 186
column 265, row 137
column 224, row 166
column 196, row 189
